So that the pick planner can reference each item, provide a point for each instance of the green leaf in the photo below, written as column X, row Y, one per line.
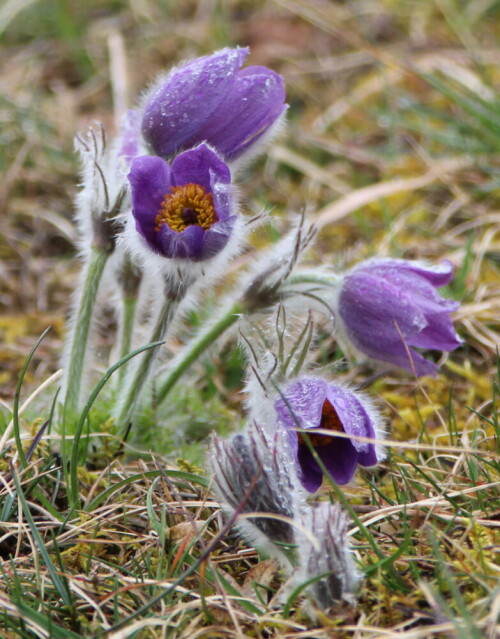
column 59, row 582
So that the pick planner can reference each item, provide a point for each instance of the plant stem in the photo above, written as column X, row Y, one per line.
column 310, row 277
column 129, row 306
column 229, row 317
column 137, row 379
column 80, row 330
column 197, row 346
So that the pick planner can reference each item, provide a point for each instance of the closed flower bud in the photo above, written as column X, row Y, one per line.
column 327, row 525
column 211, row 99
column 388, row 306
column 311, row 404
column 252, row 474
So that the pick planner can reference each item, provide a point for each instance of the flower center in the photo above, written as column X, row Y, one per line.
column 187, row 205
column 329, row 421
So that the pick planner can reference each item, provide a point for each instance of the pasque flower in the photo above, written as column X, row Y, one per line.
column 211, row 99
column 252, row 474
column 330, row 555
column 386, row 306
column 312, row 403
column 183, row 210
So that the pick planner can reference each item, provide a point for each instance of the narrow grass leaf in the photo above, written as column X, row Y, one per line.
column 78, row 431
column 59, row 582
column 296, row 592
column 175, row 474
column 17, row 395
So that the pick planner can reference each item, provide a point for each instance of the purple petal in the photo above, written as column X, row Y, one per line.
column 424, row 295
column 369, row 458
column 187, row 244
column 149, row 179
column 387, row 305
column 340, row 459
column 310, row 474
column 394, row 352
column 439, row 334
column 404, row 357
column 179, row 108
column 350, row 411
column 194, row 243
column 378, row 310
column 437, row 275
column 255, row 102
column 201, row 166
column 222, row 197
column 302, row 403
column 216, row 237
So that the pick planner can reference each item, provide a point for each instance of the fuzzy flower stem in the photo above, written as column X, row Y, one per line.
column 198, row 346
column 311, row 277
column 129, row 306
column 130, row 280
column 259, row 294
column 137, row 380
column 91, row 278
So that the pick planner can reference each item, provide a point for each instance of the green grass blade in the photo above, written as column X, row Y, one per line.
column 176, row 474
column 15, row 408
column 74, row 497
column 59, row 582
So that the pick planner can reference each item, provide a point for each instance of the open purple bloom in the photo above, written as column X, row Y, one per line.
column 312, row 403
column 183, row 210
column 211, row 99
column 387, row 306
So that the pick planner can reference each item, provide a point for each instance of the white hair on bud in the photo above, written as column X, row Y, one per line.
column 254, row 473
column 327, row 524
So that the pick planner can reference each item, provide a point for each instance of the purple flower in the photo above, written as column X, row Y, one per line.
column 211, row 99
column 387, row 306
column 312, row 403
column 183, row 210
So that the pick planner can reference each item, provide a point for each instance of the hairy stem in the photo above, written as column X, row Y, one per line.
column 79, row 331
column 136, row 380
column 197, row 346
column 129, row 307
column 311, row 277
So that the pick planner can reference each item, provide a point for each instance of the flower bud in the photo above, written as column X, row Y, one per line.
column 387, row 306
column 252, row 474
column 212, row 100
column 327, row 525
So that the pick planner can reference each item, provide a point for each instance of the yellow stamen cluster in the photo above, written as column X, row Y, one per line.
column 186, row 205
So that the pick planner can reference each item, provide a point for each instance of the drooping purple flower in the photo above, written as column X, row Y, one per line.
column 183, row 210
column 211, row 99
column 312, row 403
column 387, row 306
